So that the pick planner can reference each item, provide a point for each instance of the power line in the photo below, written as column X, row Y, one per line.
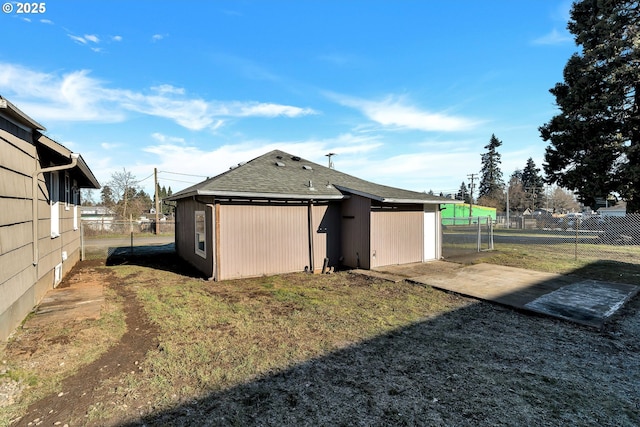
column 185, row 174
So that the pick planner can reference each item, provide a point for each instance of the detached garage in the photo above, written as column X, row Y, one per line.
column 279, row 213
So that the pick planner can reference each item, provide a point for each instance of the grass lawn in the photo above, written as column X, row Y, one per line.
column 338, row 349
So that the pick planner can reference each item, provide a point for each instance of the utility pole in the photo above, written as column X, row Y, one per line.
column 155, row 180
column 472, row 177
column 330, row 162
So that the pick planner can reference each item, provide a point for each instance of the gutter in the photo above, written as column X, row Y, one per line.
column 251, row 195
column 34, row 197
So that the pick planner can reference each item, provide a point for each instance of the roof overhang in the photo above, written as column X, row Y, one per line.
column 91, row 181
column 396, row 200
column 18, row 115
column 254, row 195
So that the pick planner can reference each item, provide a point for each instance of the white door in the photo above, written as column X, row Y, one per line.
column 430, row 240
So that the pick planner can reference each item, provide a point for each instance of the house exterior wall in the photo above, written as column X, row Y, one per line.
column 356, row 223
column 23, row 284
column 327, row 230
column 185, row 234
column 397, row 235
column 264, row 239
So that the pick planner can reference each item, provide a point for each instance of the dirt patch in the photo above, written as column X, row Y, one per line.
column 77, row 394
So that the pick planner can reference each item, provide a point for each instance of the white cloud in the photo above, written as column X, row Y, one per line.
column 167, row 139
column 109, row 146
column 77, row 39
column 157, row 37
column 164, row 89
column 394, row 112
column 86, row 39
column 270, row 110
column 76, row 96
column 553, row 38
column 116, row 38
column 46, row 21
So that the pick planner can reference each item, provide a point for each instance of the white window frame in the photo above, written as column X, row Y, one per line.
column 54, row 203
column 200, row 233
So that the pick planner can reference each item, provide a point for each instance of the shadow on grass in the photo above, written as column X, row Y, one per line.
column 481, row 364
column 160, row 257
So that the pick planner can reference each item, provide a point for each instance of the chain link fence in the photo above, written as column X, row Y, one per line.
column 572, row 236
column 466, row 235
column 104, row 238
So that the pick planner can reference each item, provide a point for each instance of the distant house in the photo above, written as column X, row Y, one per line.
column 618, row 210
column 40, row 183
column 279, row 213
column 97, row 218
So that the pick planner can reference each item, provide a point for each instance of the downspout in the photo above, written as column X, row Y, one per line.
column 34, row 198
column 310, row 216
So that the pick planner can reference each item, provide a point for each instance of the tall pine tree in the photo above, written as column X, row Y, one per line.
column 463, row 193
column 533, row 184
column 490, row 174
column 595, row 140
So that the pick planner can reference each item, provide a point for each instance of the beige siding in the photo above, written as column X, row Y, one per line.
column 14, row 211
column 14, row 185
column 260, row 240
column 18, row 299
column 22, row 285
column 14, row 236
column 16, row 155
column 356, row 221
column 396, row 236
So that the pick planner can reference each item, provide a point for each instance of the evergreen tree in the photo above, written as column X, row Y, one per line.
column 106, row 196
column 491, row 176
column 516, row 194
column 595, row 140
column 463, row 193
column 533, row 184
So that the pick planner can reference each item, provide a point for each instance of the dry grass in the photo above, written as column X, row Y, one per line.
column 345, row 349
column 218, row 335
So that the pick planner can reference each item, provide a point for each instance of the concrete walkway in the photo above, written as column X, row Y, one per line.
column 588, row 302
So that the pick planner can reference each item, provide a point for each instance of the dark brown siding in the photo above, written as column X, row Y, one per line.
column 356, row 221
column 185, row 234
column 326, row 226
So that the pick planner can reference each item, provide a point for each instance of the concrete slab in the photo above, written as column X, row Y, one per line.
column 587, row 302
column 78, row 297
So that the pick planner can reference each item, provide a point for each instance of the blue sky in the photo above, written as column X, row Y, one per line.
column 407, row 93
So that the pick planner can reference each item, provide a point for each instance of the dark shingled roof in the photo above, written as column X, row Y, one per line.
column 281, row 175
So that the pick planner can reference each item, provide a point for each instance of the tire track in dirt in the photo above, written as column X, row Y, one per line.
column 82, row 390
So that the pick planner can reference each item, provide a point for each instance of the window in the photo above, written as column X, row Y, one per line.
column 201, row 234
column 67, row 190
column 54, row 203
